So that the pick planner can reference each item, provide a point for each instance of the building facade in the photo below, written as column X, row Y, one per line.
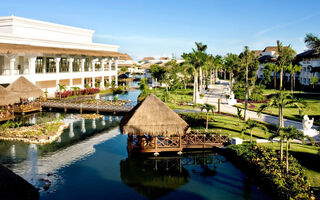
column 310, row 62
column 49, row 54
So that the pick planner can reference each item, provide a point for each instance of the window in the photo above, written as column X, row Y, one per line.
column 64, row 65
column 76, row 65
column 51, row 65
column 39, row 64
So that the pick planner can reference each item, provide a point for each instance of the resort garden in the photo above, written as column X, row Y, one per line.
column 282, row 157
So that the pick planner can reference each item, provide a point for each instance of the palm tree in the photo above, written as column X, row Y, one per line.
column 274, row 68
column 313, row 80
column 247, row 58
column 196, row 59
column 250, row 125
column 292, row 69
column 61, row 87
column 290, row 133
column 231, row 62
column 313, row 42
column 286, row 56
column 208, row 108
column 281, row 100
column 218, row 62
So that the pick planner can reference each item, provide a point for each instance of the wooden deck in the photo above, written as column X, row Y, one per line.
column 175, row 144
column 82, row 107
column 25, row 108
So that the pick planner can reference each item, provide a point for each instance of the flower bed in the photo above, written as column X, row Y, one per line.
column 265, row 164
column 69, row 93
column 89, row 116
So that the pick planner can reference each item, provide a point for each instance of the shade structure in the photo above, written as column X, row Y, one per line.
column 23, row 88
column 153, row 117
column 7, row 98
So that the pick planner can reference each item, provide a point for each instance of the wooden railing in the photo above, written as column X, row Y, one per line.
column 6, row 114
column 175, row 143
column 189, row 139
column 27, row 107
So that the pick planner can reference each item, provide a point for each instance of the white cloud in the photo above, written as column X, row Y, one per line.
column 286, row 25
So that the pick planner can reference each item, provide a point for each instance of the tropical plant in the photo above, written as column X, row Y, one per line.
column 281, row 100
column 145, row 90
column 207, row 108
column 231, row 61
column 313, row 42
column 61, row 88
column 246, row 58
column 285, row 58
column 272, row 67
column 250, row 125
column 196, row 59
column 239, row 115
column 292, row 69
column 314, row 80
column 290, row 133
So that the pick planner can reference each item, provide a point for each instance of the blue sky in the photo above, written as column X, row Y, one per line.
column 166, row 27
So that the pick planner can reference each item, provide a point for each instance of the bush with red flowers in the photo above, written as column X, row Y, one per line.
column 68, row 93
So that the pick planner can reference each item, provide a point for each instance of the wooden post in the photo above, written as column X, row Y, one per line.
column 219, row 101
column 156, row 143
column 64, row 106
column 81, row 107
column 180, row 142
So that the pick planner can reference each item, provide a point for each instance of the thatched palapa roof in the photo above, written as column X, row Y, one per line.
column 24, row 88
column 7, row 98
column 153, row 117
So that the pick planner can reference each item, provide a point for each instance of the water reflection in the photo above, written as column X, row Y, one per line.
column 156, row 177
column 31, row 168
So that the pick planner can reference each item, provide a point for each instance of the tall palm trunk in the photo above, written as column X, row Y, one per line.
column 274, row 79
column 287, row 156
column 247, row 94
column 291, row 80
column 281, row 78
column 225, row 74
column 216, row 75
column 200, row 76
column 195, row 87
column 231, row 79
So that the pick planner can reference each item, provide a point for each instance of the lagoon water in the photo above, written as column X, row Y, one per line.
column 90, row 161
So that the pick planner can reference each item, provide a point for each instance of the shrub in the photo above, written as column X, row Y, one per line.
column 266, row 164
column 194, row 119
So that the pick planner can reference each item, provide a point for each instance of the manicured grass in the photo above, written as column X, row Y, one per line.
column 231, row 125
column 178, row 98
column 312, row 108
column 307, row 156
column 273, row 91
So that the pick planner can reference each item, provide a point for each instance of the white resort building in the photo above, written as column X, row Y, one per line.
column 49, row 54
column 310, row 62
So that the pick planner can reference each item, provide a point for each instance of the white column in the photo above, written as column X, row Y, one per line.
column 32, row 64
column 82, row 82
column 71, row 82
column 93, row 82
column 70, row 60
column 110, row 67
column 102, row 63
column 83, row 60
column 116, row 68
column 57, row 61
column 12, row 61
column 93, row 63
column 102, row 82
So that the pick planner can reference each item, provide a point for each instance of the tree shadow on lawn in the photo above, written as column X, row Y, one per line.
column 308, row 160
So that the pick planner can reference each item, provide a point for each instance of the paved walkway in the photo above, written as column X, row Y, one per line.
column 219, row 91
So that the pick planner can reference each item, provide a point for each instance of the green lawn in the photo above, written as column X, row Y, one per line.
column 231, row 125
column 308, row 157
column 273, row 91
column 178, row 99
column 312, row 108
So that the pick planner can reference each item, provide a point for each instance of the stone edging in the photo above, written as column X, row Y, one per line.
column 41, row 141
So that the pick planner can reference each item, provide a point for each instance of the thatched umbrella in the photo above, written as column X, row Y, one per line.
column 153, row 117
column 24, row 88
column 7, row 98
